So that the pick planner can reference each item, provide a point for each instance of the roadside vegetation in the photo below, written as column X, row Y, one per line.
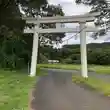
column 96, row 68
column 93, row 83
column 14, row 90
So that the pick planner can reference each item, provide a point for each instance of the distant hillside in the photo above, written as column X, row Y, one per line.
column 92, row 45
column 102, row 45
column 96, row 54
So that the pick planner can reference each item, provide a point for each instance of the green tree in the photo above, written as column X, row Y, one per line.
column 14, row 44
column 10, row 14
column 97, row 54
column 99, row 6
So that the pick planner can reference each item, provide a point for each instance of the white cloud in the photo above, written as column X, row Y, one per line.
column 70, row 8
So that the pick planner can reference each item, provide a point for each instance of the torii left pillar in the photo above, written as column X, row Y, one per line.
column 34, row 52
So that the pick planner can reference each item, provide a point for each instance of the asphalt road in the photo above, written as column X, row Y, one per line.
column 57, row 92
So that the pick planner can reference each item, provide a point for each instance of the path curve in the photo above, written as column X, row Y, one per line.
column 104, row 77
column 50, row 94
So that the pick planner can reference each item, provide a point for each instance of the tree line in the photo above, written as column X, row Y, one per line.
column 70, row 54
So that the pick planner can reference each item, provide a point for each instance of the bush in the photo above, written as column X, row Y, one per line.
column 67, row 60
column 99, row 57
column 77, row 62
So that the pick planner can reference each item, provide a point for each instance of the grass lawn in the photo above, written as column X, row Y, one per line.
column 98, row 85
column 97, row 68
column 14, row 89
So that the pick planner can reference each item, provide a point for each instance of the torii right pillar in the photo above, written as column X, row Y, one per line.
column 83, row 50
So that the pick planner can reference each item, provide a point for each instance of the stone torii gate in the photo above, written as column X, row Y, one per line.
column 81, row 19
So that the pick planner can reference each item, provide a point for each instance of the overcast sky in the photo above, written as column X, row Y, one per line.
column 70, row 8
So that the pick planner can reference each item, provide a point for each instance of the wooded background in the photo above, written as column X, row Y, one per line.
column 16, row 47
column 70, row 54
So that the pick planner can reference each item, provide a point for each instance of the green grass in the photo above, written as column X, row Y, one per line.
column 14, row 89
column 96, row 68
column 100, row 69
column 94, row 83
column 39, row 73
column 60, row 66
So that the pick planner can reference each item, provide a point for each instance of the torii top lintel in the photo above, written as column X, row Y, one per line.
column 89, row 17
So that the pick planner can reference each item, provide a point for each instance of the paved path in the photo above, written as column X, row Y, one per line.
column 104, row 77
column 56, row 92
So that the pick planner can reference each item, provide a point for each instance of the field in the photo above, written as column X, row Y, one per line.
column 14, row 89
column 96, row 68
